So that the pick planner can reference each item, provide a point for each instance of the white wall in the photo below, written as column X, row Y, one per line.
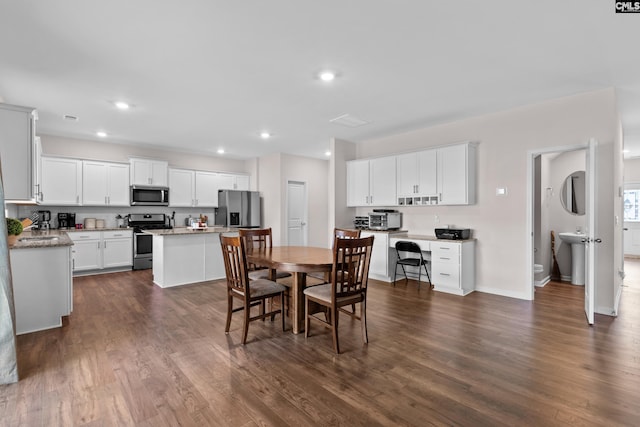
column 340, row 215
column 632, row 170
column 505, row 142
column 104, row 151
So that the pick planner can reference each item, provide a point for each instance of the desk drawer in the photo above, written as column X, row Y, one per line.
column 446, row 275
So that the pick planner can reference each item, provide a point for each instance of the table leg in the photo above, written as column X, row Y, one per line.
column 297, row 299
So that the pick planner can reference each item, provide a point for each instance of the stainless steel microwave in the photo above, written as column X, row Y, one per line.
column 146, row 195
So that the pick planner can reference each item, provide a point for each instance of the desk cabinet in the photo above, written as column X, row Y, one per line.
column 453, row 266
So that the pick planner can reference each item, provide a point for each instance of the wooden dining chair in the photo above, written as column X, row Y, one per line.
column 259, row 239
column 251, row 292
column 338, row 233
column 349, row 277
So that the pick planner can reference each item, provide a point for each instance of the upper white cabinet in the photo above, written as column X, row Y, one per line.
column 105, row 184
column 371, row 182
column 229, row 181
column 190, row 188
column 17, row 138
column 417, row 182
column 148, row 172
column 61, row 181
column 457, row 174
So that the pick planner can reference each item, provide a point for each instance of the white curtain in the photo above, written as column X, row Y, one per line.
column 8, row 356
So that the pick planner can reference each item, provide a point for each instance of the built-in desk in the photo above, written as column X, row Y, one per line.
column 452, row 262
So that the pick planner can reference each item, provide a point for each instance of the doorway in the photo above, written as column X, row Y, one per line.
column 297, row 230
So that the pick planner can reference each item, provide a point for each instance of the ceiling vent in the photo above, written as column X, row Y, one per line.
column 70, row 118
column 349, row 121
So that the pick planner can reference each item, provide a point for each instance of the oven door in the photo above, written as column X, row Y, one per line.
column 142, row 245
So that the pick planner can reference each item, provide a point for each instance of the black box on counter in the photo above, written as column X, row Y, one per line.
column 453, row 233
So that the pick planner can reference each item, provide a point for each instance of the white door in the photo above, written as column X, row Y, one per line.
column 296, row 213
column 592, row 239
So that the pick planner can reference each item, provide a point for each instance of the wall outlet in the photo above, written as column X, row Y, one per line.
column 436, row 219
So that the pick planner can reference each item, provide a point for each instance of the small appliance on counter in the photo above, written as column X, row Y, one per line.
column 453, row 233
column 66, row 220
column 361, row 222
column 385, row 219
column 44, row 220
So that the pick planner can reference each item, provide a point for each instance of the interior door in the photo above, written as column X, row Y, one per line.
column 591, row 239
column 296, row 213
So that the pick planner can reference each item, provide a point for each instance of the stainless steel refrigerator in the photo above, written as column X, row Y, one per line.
column 238, row 209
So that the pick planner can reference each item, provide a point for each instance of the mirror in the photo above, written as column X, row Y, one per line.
column 573, row 194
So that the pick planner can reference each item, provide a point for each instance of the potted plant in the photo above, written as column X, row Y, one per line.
column 14, row 228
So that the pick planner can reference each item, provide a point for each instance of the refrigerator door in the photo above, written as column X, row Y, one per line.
column 253, row 209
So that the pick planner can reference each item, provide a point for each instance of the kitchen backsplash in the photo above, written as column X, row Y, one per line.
column 108, row 214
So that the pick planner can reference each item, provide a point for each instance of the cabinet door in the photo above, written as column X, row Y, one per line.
column 427, row 172
column 407, row 177
column 158, row 170
column 94, row 183
column 379, row 266
column 383, row 181
column 87, row 255
column 117, row 252
column 16, row 144
column 358, row 183
column 61, row 181
column 140, row 171
column 242, row 183
column 181, row 187
column 206, row 189
column 225, row 181
column 118, row 184
column 452, row 174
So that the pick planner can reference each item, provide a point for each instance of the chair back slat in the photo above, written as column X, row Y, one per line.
column 351, row 259
column 235, row 264
column 256, row 239
column 406, row 246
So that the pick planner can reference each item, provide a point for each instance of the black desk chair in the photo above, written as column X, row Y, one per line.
column 414, row 261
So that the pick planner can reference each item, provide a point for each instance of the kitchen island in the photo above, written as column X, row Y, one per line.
column 42, row 280
column 184, row 255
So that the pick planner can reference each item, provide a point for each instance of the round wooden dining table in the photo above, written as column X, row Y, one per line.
column 298, row 260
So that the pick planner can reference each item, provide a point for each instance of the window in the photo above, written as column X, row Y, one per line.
column 632, row 205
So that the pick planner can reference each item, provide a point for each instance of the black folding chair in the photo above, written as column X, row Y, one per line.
column 414, row 261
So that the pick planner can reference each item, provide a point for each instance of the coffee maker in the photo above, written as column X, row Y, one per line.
column 66, row 220
column 44, row 220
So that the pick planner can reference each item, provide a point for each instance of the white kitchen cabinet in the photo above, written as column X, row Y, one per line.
column 61, row 181
column 42, row 287
column 99, row 250
column 105, row 184
column 148, row 171
column 379, row 267
column 230, row 181
column 417, row 177
column 117, row 248
column 371, row 182
column 453, row 266
column 190, row 188
column 457, row 174
column 17, row 139
column 181, row 188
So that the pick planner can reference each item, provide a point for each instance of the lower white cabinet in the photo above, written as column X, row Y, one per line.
column 380, row 255
column 98, row 250
column 453, row 266
column 42, row 287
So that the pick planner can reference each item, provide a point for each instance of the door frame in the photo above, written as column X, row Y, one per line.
column 529, row 241
column 305, row 214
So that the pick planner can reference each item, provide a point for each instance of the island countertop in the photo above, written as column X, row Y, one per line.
column 42, row 239
column 181, row 231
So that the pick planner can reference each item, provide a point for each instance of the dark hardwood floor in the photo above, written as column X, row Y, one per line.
column 134, row 354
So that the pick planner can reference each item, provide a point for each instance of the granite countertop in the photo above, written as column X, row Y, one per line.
column 74, row 230
column 370, row 230
column 178, row 231
column 42, row 239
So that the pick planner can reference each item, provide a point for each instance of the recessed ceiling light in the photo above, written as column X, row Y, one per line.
column 265, row 135
column 327, row 76
column 101, row 134
column 327, row 153
column 220, row 151
column 626, row 151
column 122, row 105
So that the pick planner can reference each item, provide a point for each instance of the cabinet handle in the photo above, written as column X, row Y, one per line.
column 117, row 235
column 445, row 249
column 417, row 188
column 444, row 274
column 98, row 245
column 448, row 259
column 106, row 201
column 440, row 197
column 77, row 200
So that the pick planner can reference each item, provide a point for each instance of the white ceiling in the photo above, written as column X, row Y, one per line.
column 205, row 74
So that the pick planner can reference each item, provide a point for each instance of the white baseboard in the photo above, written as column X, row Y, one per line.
column 542, row 282
column 505, row 293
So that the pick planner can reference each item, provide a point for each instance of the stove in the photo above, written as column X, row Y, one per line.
column 143, row 242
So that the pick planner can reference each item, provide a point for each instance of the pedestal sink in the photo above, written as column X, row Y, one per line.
column 577, row 255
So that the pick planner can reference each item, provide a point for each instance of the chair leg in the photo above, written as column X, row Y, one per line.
column 263, row 304
column 229, row 311
column 334, row 323
column 363, row 320
column 419, row 271
column 406, row 279
column 245, row 324
column 282, row 309
column 427, row 271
